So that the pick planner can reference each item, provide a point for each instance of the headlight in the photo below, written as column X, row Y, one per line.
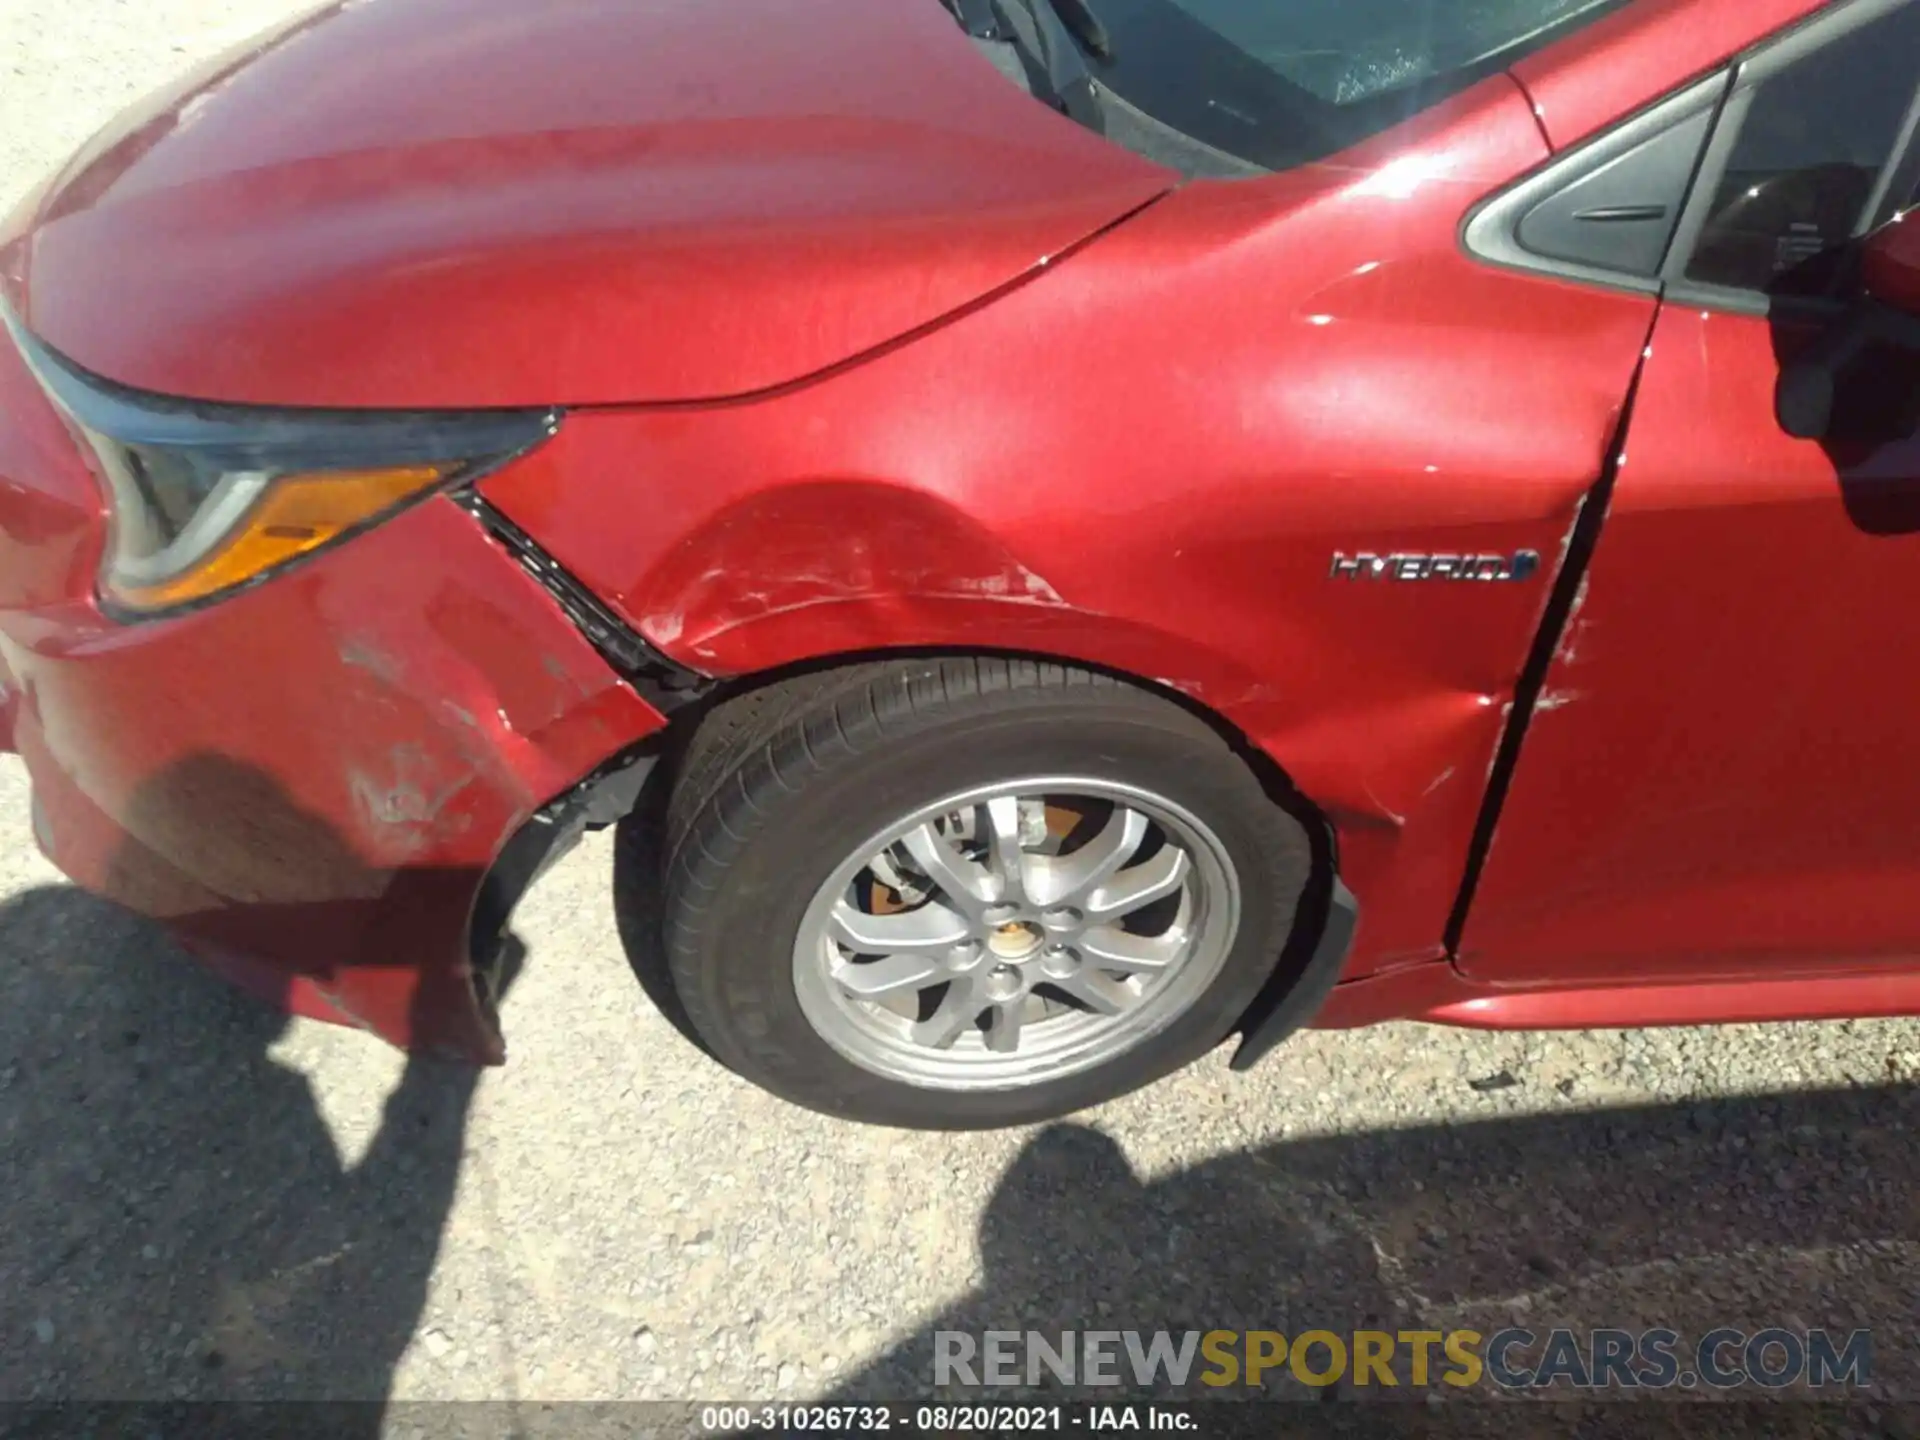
column 207, row 498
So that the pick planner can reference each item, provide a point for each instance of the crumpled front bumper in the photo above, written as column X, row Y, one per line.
column 308, row 782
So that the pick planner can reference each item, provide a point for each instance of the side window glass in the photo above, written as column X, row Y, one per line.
column 1607, row 211
column 1621, row 214
column 1806, row 162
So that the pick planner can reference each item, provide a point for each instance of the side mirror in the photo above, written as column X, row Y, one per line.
column 1888, row 313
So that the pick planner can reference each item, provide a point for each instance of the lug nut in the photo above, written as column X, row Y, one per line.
column 1003, row 982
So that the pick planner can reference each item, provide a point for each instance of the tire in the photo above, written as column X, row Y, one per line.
column 779, row 790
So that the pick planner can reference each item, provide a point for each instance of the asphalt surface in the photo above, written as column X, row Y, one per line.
column 201, row 1200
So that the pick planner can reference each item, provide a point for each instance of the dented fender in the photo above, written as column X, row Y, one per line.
column 1117, row 467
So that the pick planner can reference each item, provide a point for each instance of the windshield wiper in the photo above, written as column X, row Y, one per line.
column 1084, row 25
column 1048, row 36
column 976, row 17
column 1053, row 53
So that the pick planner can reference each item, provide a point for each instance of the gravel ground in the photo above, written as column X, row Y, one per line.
column 203, row 1200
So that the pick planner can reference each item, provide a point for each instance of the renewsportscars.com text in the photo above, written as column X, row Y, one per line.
column 1513, row 1359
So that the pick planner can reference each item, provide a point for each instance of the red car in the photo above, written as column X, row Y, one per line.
column 1072, row 528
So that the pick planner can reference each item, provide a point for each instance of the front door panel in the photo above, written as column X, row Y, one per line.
column 1722, row 774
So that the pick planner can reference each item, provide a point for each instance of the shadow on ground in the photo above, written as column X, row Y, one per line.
column 179, row 1224
column 1797, row 1211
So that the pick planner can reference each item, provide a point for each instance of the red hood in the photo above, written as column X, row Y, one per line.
column 427, row 203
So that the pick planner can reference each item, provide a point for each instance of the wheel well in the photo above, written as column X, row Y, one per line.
column 1273, row 778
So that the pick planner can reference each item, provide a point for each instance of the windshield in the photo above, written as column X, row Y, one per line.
column 1284, row 82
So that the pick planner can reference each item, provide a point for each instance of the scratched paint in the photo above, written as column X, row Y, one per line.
column 792, row 550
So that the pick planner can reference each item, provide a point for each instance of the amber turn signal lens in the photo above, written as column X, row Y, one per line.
column 297, row 514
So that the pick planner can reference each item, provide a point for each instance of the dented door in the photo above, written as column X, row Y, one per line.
column 1719, row 775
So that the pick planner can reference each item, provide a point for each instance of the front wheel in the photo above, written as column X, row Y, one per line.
column 967, row 893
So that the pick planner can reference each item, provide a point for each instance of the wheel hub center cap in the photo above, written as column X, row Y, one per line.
column 1015, row 940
